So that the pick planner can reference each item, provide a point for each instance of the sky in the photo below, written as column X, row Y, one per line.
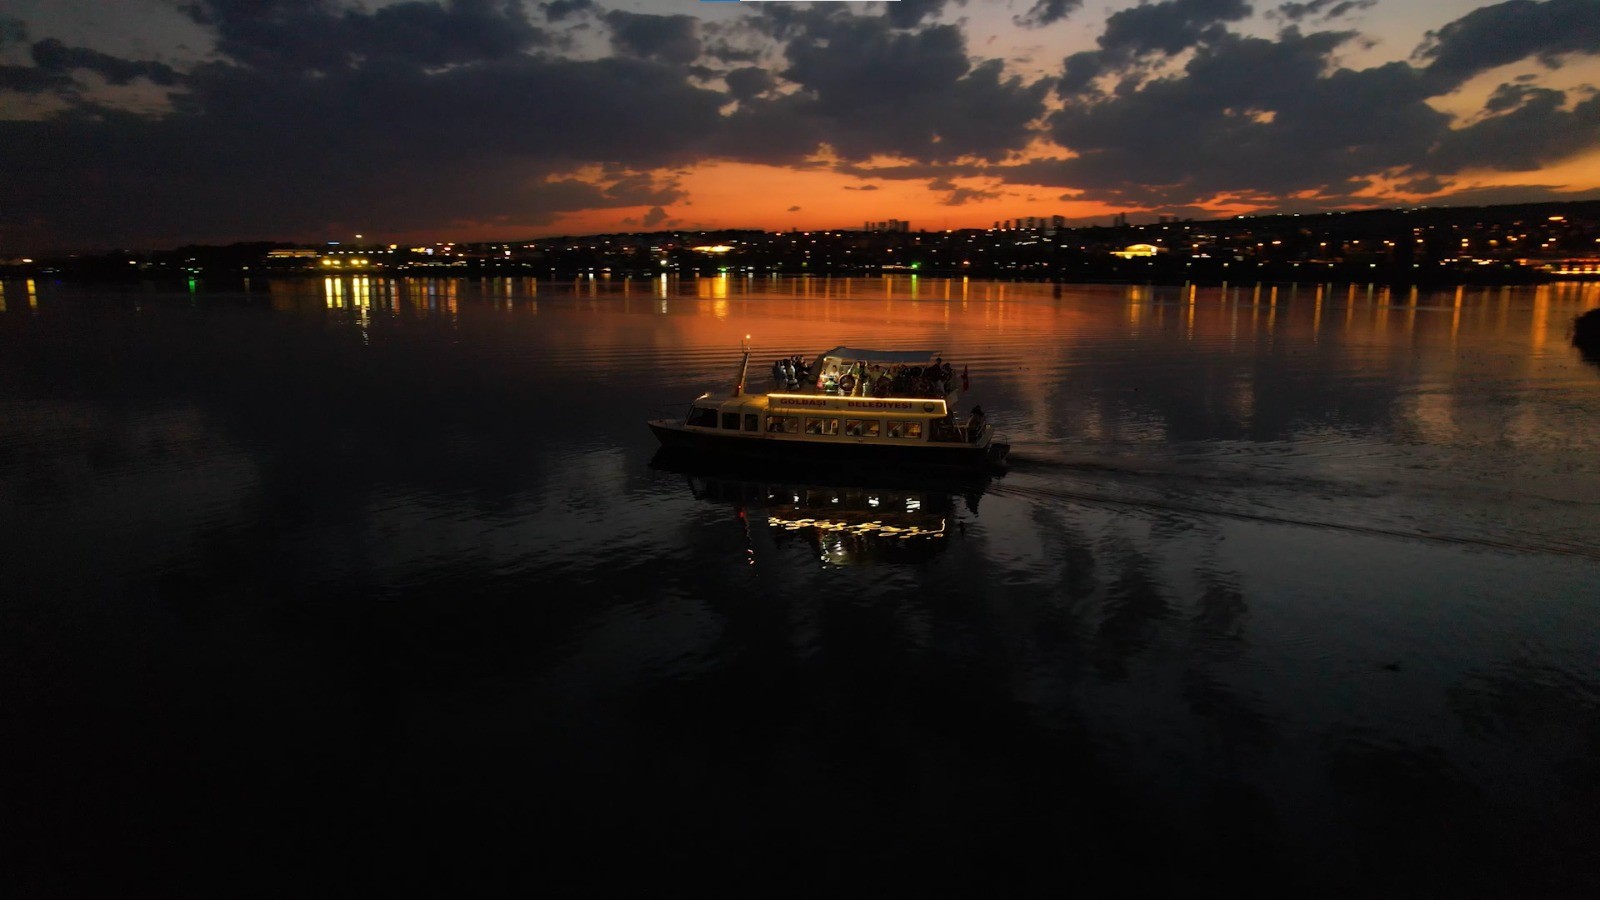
column 142, row 124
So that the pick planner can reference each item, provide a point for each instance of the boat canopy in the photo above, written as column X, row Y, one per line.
column 856, row 354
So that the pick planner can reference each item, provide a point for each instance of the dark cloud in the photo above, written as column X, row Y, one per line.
column 1047, row 12
column 31, row 80
column 1326, row 9
column 312, row 34
column 961, row 196
column 722, row 51
column 1508, row 32
column 1156, row 29
column 557, row 10
column 1528, row 128
column 248, row 153
column 1428, row 184
column 867, row 89
column 864, row 187
column 13, row 31
column 748, row 83
column 1247, row 116
column 910, row 13
column 794, row 209
column 673, row 39
column 1512, row 193
column 654, row 217
column 1252, row 117
column 52, row 56
column 914, row 171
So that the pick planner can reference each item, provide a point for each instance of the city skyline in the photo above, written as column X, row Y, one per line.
column 159, row 122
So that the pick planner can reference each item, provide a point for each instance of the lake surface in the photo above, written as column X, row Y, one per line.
column 370, row 584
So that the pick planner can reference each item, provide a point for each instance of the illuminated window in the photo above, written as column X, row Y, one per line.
column 862, row 427
column 822, row 426
column 703, row 417
column 783, row 424
column 904, row 429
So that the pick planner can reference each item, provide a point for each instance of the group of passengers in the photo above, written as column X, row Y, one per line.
column 861, row 379
column 791, row 372
column 864, row 379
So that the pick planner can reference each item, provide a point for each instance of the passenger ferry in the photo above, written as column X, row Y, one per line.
column 856, row 406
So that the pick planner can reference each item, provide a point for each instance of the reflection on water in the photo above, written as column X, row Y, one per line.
column 1287, row 585
column 849, row 518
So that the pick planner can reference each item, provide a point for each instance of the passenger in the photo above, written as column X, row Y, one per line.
column 778, row 376
column 975, row 424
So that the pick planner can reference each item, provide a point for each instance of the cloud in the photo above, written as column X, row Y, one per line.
column 283, row 154
column 32, row 80
column 1326, row 9
column 54, row 57
column 654, row 217
column 864, row 187
column 1247, row 116
column 1047, row 12
column 963, row 195
column 794, row 209
column 1508, row 32
column 910, row 13
column 749, row 82
column 672, row 39
column 307, row 34
column 867, row 89
column 1495, row 195
column 557, row 10
column 1156, row 29
column 13, row 31
column 1528, row 128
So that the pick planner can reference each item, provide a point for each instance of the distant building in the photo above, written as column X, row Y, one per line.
column 1135, row 250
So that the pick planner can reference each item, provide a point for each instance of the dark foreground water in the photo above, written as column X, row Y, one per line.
column 370, row 586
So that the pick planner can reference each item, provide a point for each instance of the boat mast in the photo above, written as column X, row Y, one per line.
column 744, row 367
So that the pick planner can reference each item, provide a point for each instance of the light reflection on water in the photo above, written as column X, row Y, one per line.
column 1294, row 581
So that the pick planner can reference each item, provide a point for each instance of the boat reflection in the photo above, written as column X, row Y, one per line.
column 845, row 518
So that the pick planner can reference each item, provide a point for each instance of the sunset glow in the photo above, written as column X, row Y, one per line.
column 427, row 120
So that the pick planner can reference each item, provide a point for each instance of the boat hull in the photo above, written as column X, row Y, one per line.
column 676, row 437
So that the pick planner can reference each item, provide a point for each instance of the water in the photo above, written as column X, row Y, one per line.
column 371, row 584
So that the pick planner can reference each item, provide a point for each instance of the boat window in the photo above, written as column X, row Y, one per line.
column 783, row 424
column 730, row 421
column 901, row 428
column 702, row 417
column 752, row 422
column 821, row 426
column 862, row 427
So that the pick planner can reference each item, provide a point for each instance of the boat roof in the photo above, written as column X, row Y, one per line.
column 881, row 356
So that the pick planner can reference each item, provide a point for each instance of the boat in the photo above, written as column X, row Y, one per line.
column 850, row 406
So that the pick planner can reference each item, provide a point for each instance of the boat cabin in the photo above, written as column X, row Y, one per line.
column 848, row 394
column 849, row 405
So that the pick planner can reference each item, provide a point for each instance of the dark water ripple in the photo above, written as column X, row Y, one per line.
column 361, row 582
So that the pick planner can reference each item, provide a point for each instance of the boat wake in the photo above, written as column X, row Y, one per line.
column 1029, row 483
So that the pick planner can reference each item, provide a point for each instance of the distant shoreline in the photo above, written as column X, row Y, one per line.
column 1237, row 275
